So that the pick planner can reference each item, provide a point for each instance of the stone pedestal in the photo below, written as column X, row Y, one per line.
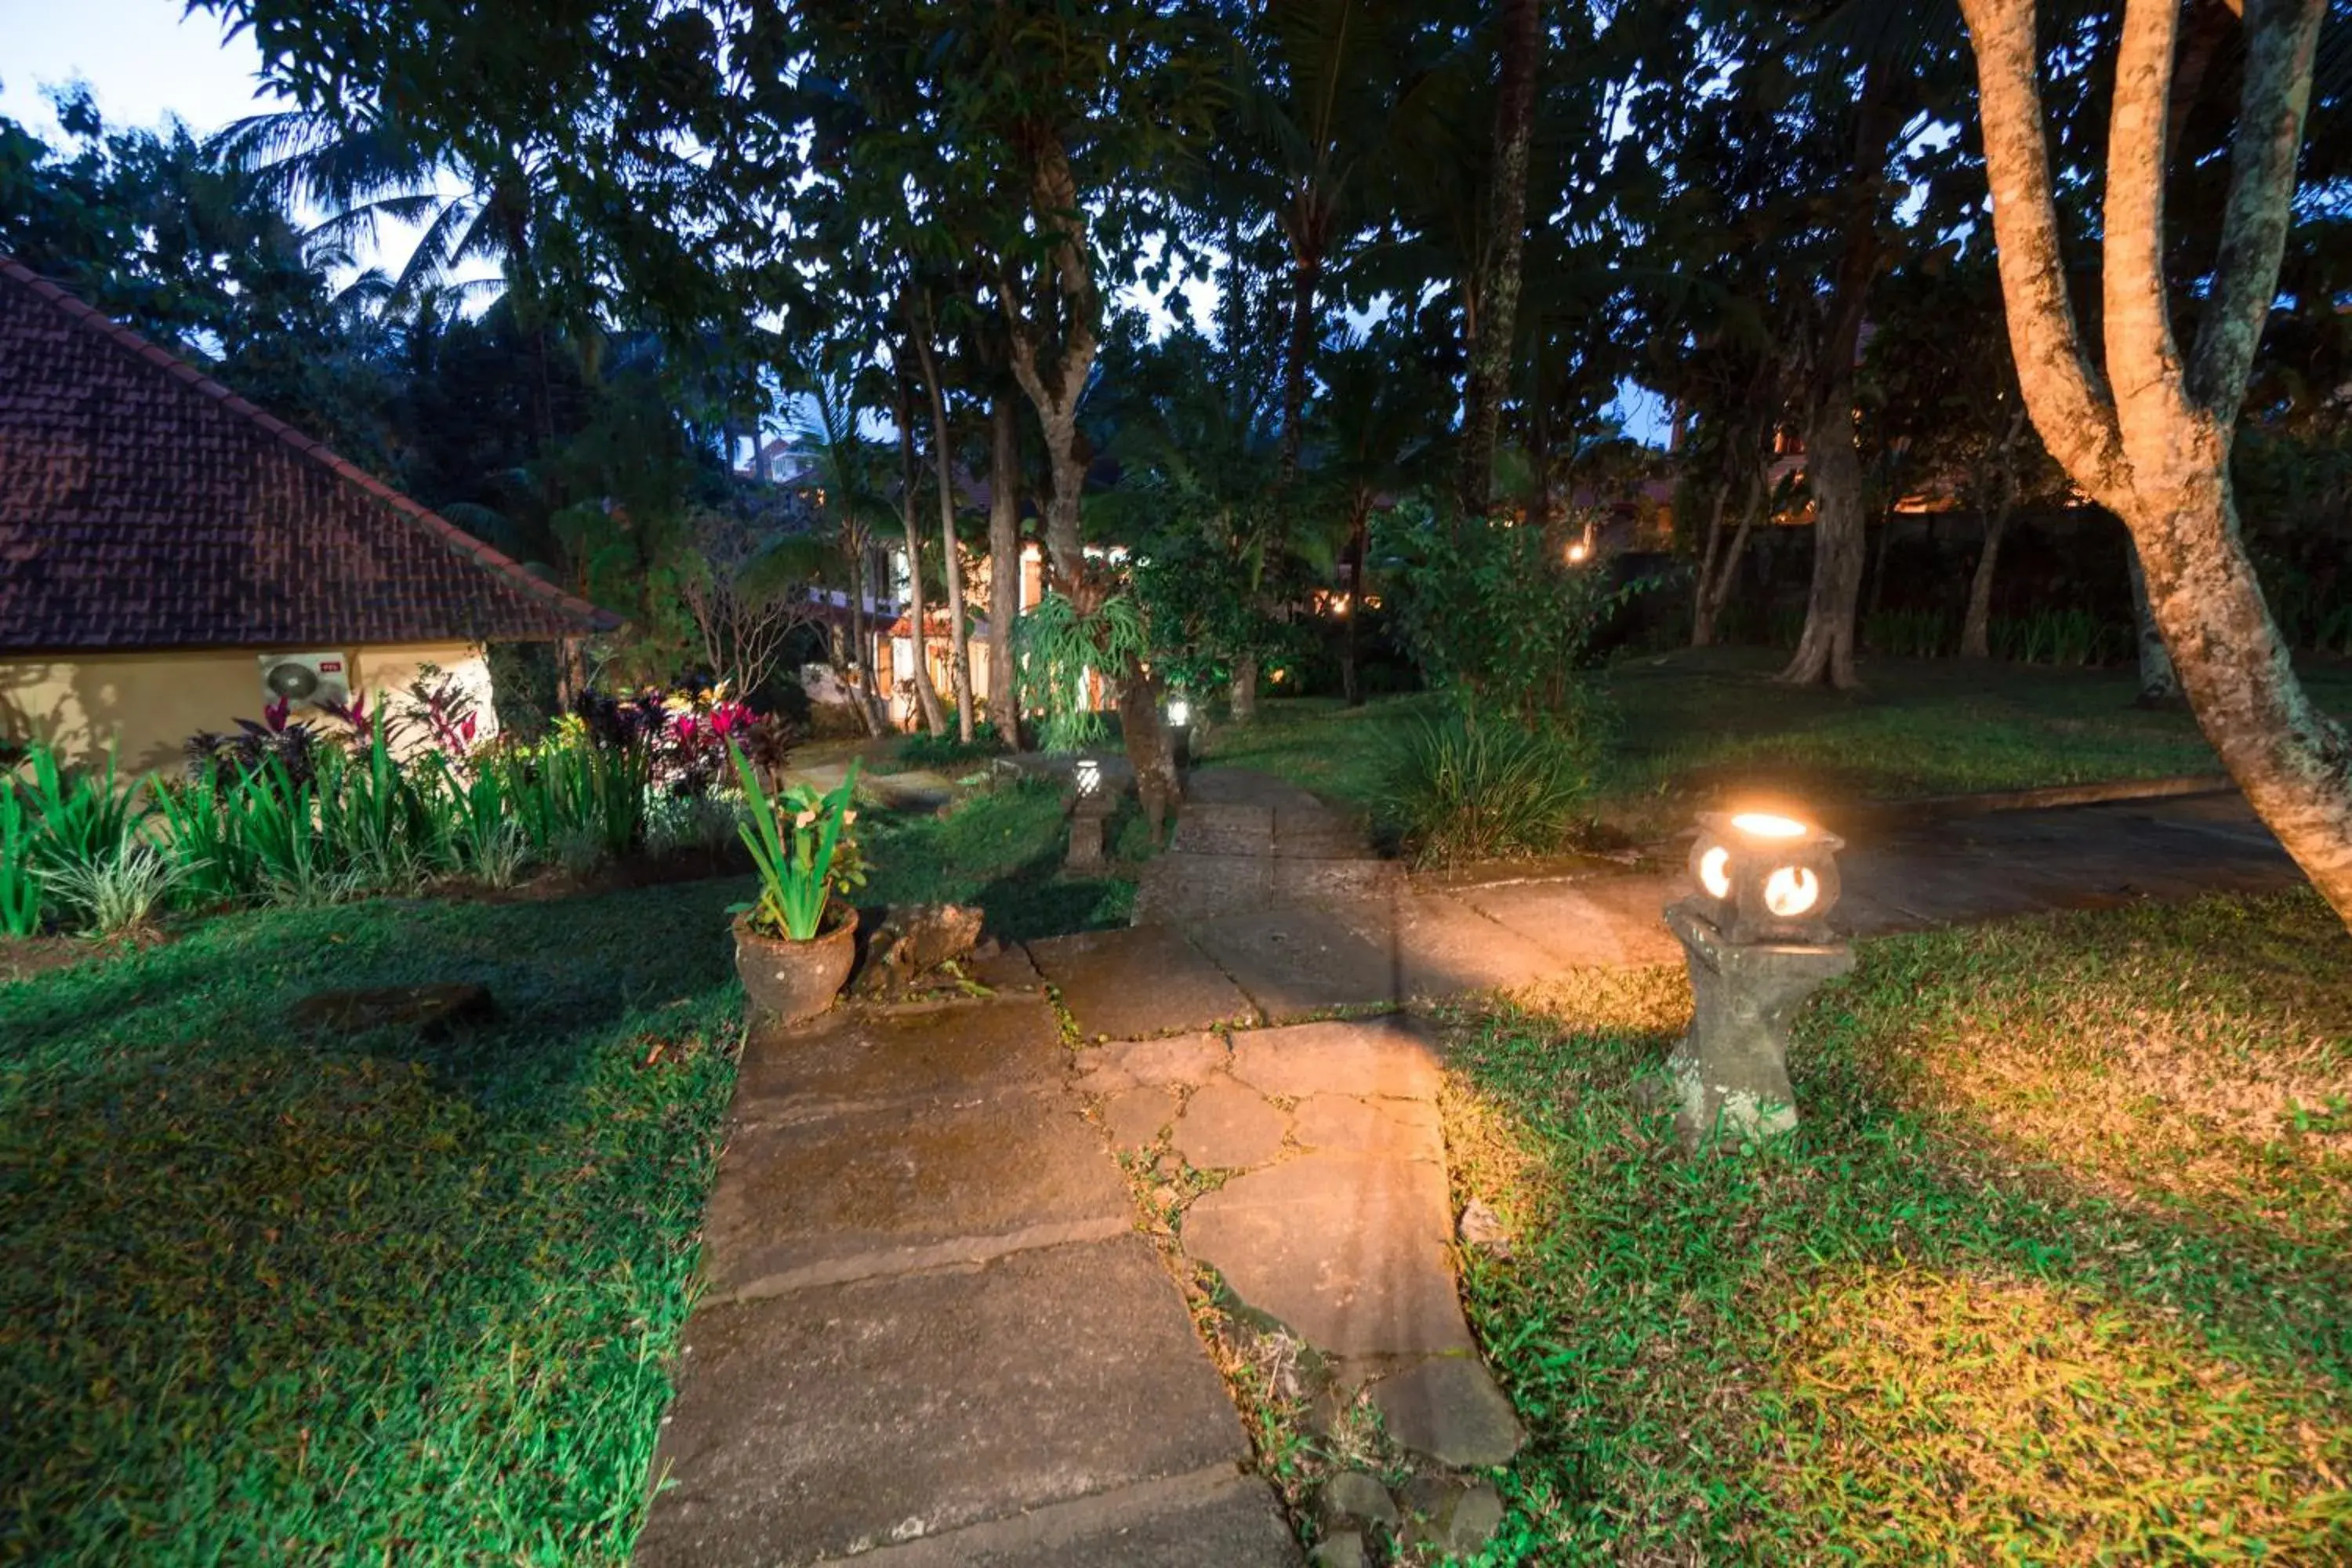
column 1730, row 1072
column 1087, row 819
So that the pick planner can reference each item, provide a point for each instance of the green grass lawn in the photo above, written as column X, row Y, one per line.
column 1687, row 727
column 271, row 1296
column 278, row 1296
column 2053, row 1272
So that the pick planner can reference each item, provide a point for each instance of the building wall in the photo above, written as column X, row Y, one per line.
column 148, row 704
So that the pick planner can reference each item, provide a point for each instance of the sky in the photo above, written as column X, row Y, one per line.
column 144, row 61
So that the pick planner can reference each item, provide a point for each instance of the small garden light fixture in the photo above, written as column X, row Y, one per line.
column 1763, row 877
column 1180, row 730
column 1089, row 778
column 1757, row 937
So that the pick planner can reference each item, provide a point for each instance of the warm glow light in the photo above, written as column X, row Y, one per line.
column 1179, row 711
column 1576, row 551
column 1714, row 872
column 1764, row 824
column 1790, row 890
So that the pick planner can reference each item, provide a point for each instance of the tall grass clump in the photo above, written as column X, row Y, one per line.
column 1455, row 788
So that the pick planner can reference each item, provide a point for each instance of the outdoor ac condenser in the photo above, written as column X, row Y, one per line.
column 306, row 679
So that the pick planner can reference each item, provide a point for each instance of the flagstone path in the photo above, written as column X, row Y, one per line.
column 934, row 1333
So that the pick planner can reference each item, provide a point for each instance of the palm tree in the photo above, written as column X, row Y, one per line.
column 846, row 469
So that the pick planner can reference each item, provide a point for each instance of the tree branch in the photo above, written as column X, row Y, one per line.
column 2282, row 41
column 2144, row 367
column 2070, row 405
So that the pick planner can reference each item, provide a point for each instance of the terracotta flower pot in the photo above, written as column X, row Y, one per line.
column 791, row 981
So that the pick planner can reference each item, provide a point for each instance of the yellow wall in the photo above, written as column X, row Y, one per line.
column 148, row 704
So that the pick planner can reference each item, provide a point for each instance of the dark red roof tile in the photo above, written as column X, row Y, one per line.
column 146, row 509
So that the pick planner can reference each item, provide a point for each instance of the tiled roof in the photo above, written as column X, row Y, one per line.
column 145, row 506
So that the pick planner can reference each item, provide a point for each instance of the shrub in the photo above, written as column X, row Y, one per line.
column 1456, row 789
column 927, row 750
column 114, row 894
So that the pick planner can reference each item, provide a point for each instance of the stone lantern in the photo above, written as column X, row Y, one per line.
column 1180, row 730
column 1758, row 940
column 1090, row 811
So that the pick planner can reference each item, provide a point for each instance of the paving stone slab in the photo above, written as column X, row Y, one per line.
column 1607, row 921
column 1008, row 969
column 1392, row 1129
column 1446, row 948
column 1245, row 786
column 1390, row 1058
column 1142, row 981
column 853, row 1057
column 869, row 1191
column 1299, row 960
column 840, row 1418
column 1227, row 1127
column 1177, row 887
column 1210, row 828
column 1216, row 1519
column 1350, row 1252
column 1135, row 1117
column 1170, row 1059
column 1449, row 1410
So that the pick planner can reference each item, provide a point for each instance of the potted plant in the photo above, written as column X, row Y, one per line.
column 795, row 944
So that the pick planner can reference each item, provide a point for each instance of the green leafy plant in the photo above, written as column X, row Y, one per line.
column 1456, row 788
column 86, row 815
column 801, row 862
column 20, row 887
column 1058, row 649
column 116, row 893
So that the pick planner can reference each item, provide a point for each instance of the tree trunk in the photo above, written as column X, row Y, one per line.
column 1714, row 588
column 1519, row 43
column 951, row 551
column 2151, row 439
column 1069, row 322
column 1833, row 469
column 926, row 696
column 1878, row 563
column 1242, row 694
column 2159, row 682
column 869, row 707
column 1976, row 627
column 1359, row 553
column 1306, row 275
column 1004, row 567
column 1156, row 784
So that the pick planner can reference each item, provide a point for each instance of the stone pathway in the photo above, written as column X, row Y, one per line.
column 933, row 1333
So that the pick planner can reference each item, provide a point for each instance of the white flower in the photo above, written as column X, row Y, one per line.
column 805, row 819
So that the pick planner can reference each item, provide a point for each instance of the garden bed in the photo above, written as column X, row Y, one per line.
column 2051, row 1272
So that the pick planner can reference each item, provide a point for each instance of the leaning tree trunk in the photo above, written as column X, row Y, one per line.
column 1834, row 469
column 1976, row 627
column 1003, row 566
column 927, row 696
column 1070, row 301
column 950, row 550
column 2151, row 440
column 1715, row 582
column 1519, row 43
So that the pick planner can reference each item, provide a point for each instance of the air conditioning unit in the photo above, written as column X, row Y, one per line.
column 306, row 679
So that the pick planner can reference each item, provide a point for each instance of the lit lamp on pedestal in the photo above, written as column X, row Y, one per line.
column 1089, row 808
column 1180, row 733
column 1757, row 939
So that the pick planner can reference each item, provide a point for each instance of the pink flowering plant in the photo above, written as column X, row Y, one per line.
column 803, row 848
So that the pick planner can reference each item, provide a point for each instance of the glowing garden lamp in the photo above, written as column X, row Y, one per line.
column 1765, row 878
column 1179, row 730
column 1757, row 937
column 1089, row 778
